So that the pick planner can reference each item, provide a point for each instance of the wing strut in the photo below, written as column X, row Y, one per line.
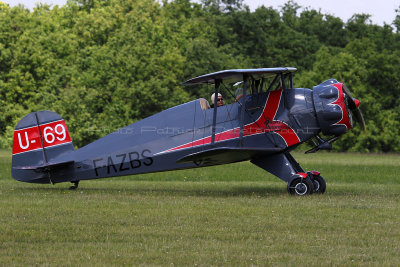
column 217, row 84
column 245, row 77
column 283, row 84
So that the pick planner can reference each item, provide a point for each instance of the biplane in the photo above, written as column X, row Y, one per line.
column 266, row 119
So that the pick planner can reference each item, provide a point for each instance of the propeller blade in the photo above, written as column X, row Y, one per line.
column 353, row 105
column 350, row 97
column 359, row 118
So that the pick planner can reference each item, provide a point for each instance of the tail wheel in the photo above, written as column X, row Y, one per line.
column 301, row 187
column 319, row 184
column 75, row 186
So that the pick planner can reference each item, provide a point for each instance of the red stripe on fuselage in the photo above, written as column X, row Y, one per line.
column 265, row 123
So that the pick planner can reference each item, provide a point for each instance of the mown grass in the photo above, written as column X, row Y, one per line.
column 227, row 215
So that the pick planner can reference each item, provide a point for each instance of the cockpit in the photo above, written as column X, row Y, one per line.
column 245, row 93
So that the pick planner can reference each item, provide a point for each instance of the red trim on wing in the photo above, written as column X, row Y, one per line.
column 341, row 103
column 265, row 123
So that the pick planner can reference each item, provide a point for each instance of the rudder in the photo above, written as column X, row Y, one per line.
column 39, row 138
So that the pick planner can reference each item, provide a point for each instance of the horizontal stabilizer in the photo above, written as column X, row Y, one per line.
column 47, row 166
column 221, row 155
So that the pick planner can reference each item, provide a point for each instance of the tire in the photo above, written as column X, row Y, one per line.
column 319, row 184
column 301, row 187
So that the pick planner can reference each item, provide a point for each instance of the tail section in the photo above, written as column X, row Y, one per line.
column 39, row 138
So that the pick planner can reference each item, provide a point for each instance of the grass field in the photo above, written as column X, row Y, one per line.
column 227, row 215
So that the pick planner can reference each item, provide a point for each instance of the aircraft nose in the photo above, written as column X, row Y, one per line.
column 357, row 102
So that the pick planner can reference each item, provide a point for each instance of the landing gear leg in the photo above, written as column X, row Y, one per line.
column 286, row 168
column 75, row 186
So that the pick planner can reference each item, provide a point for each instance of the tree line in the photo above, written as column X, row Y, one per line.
column 103, row 64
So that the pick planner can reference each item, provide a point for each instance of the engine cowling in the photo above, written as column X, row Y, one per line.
column 331, row 107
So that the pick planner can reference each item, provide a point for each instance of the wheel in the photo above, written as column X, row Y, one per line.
column 301, row 187
column 75, row 186
column 319, row 184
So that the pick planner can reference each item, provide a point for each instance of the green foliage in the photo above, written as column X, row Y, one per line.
column 396, row 21
column 104, row 64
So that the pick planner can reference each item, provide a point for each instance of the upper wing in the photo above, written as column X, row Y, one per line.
column 237, row 75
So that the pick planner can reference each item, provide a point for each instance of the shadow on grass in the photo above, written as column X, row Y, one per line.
column 208, row 191
column 205, row 190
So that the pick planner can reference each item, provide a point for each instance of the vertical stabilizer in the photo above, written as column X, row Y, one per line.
column 39, row 138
